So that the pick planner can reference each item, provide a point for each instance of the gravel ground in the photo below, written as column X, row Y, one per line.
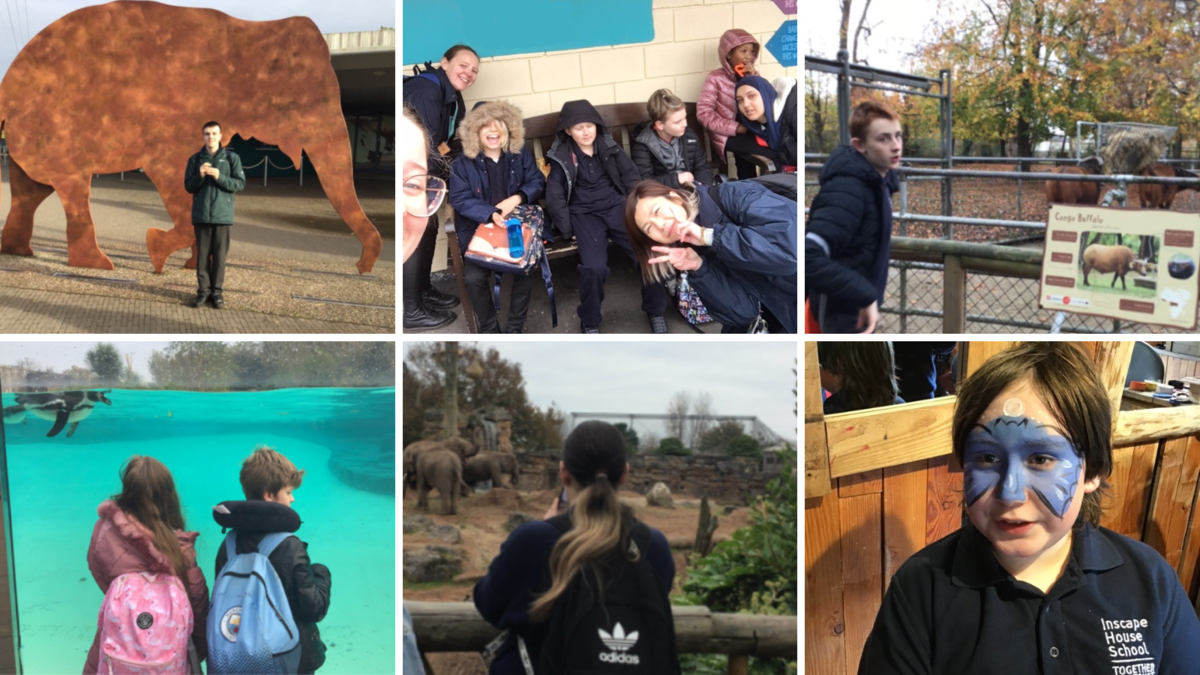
column 284, row 237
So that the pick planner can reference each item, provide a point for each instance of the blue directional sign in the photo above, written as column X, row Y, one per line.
column 782, row 44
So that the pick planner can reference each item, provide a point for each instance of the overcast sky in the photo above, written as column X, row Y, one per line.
column 20, row 20
column 60, row 356
column 896, row 29
column 640, row 377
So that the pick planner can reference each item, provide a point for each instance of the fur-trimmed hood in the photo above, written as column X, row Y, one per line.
column 484, row 114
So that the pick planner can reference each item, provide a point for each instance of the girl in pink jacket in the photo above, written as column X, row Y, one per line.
column 716, row 107
column 142, row 530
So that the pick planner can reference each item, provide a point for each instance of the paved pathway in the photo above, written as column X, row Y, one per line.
column 32, row 311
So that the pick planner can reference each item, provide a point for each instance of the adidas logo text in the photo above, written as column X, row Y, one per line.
column 614, row 657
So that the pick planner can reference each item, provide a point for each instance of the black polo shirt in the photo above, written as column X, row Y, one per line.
column 1118, row 609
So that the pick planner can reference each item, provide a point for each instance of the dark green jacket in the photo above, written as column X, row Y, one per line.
column 212, row 198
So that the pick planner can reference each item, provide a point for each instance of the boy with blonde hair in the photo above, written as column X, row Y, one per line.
column 269, row 476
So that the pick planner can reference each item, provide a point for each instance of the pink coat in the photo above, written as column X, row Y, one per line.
column 716, row 107
column 121, row 545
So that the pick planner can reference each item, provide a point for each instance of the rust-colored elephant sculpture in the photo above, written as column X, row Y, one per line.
column 115, row 87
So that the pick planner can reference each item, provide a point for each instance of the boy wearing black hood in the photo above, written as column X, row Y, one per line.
column 848, row 240
column 590, row 176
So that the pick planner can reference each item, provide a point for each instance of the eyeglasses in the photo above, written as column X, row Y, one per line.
column 423, row 195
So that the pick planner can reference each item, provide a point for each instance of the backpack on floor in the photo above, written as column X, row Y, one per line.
column 631, row 632
column 145, row 622
column 489, row 249
column 250, row 625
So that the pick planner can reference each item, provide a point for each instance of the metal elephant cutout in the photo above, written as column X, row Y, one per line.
column 115, row 87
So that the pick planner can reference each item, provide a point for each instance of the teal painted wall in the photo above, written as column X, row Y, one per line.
column 498, row 28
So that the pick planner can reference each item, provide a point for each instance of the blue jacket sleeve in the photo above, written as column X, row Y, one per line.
column 533, row 183
column 462, row 196
column 191, row 176
column 425, row 98
column 764, row 237
column 1181, row 630
column 235, row 179
column 504, row 595
column 727, row 300
column 660, row 558
column 836, row 212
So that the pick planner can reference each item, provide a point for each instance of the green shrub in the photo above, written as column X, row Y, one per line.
column 743, row 446
column 672, row 446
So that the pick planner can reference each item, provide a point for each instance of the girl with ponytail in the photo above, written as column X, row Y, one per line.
column 532, row 574
column 142, row 530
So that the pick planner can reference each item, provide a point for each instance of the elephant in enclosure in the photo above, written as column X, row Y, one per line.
column 124, row 85
column 498, row 467
column 443, row 470
column 456, row 444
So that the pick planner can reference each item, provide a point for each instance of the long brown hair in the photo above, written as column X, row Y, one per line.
column 685, row 196
column 148, row 495
column 867, row 369
column 594, row 455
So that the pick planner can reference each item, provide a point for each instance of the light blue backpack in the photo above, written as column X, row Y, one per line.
column 250, row 626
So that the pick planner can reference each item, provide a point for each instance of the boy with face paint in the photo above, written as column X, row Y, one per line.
column 1032, row 584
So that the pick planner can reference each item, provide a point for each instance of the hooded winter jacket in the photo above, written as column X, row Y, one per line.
column 847, row 241
column 122, row 545
column 779, row 132
column 564, row 168
column 469, row 187
column 716, row 107
column 212, row 198
column 305, row 583
column 440, row 107
column 753, row 256
column 655, row 160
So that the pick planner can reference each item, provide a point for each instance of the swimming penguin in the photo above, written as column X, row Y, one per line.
column 14, row 414
column 63, row 407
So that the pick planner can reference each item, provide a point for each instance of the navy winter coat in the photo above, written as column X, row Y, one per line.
column 440, row 107
column 564, row 169
column 469, row 189
column 753, row 257
column 847, row 233
column 212, row 198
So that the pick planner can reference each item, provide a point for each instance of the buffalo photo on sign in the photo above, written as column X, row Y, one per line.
column 1122, row 264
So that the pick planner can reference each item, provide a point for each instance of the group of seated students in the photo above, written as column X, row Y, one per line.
column 730, row 244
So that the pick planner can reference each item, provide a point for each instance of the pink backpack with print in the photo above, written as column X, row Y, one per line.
column 145, row 622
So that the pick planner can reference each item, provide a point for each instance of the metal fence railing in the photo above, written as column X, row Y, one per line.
column 977, row 270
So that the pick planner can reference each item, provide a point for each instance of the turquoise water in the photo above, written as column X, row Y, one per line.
column 57, row 483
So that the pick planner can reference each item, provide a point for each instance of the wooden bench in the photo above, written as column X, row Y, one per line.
column 620, row 119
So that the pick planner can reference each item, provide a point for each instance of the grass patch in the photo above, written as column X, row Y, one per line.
column 1101, row 283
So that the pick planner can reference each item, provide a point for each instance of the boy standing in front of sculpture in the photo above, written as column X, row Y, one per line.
column 213, row 176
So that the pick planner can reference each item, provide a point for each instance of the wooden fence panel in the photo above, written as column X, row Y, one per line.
column 862, row 567
column 943, row 502
column 865, row 483
column 904, row 512
column 1129, row 489
column 1165, row 528
column 824, row 623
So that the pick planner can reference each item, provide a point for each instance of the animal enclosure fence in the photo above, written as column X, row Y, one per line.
column 990, row 282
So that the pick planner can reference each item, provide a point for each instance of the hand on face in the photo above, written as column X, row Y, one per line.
column 684, row 259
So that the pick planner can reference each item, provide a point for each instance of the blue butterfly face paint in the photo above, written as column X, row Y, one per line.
column 1013, row 453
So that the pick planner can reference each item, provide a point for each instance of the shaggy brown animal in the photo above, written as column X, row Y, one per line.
column 1154, row 196
column 124, row 85
column 1117, row 259
column 1076, row 192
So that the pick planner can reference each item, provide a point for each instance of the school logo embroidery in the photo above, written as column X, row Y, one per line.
column 1127, row 646
column 144, row 620
column 619, row 643
column 230, row 623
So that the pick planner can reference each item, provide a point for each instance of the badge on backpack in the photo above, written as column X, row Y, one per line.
column 619, row 643
column 230, row 623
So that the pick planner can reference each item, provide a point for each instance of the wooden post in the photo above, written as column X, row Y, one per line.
column 739, row 664
column 816, row 451
column 450, row 388
column 705, row 530
column 954, row 296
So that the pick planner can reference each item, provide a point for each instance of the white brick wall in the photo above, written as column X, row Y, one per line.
column 680, row 56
